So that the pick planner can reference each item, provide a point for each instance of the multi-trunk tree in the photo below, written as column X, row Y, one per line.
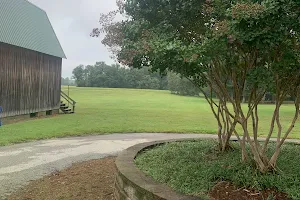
column 245, row 45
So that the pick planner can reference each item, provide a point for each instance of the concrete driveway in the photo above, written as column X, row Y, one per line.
column 30, row 161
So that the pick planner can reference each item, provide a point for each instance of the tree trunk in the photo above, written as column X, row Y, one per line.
column 243, row 148
column 273, row 160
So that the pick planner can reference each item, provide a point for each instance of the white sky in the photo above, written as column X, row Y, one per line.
column 73, row 21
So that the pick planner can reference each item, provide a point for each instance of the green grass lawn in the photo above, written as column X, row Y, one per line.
column 125, row 110
column 194, row 167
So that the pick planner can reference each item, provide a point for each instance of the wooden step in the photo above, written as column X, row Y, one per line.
column 69, row 112
column 67, row 109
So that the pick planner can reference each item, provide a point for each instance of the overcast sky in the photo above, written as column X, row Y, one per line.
column 73, row 21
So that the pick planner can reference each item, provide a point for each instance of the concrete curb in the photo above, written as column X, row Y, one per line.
column 133, row 184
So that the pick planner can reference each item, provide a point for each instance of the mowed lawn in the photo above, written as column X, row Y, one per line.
column 102, row 111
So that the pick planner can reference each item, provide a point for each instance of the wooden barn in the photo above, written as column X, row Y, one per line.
column 30, row 61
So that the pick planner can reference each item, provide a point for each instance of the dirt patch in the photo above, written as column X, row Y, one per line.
column 88, row 180
column 227, row 191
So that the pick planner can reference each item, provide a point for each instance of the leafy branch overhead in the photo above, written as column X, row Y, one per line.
column 250, row 46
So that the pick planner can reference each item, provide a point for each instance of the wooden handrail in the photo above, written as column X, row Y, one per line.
column 67, row 98
column 71, row 102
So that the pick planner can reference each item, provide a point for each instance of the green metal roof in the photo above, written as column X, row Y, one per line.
column 25, row 25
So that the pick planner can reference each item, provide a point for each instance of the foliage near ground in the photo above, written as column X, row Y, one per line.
column 181, row 86
column 104, row 111
column 195, row 167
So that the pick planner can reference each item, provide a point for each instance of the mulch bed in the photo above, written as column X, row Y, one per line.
column 94, row 179
column 89, row 180
column 227, row 191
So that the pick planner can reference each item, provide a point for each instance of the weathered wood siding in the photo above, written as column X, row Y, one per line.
column 29, row 81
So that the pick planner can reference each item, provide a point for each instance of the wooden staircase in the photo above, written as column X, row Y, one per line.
column 69, row 107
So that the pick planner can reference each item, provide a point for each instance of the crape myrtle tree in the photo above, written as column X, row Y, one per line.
column 248, row 45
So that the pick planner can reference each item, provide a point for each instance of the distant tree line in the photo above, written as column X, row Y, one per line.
column 181, row 86
column 115, row 76
column 67, row 81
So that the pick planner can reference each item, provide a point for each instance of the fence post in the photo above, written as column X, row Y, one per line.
column 68, row 93
column 1, row 116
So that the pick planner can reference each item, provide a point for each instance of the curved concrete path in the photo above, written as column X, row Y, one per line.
column 21, row 163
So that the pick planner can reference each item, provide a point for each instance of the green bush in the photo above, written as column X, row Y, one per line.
column 181, row 86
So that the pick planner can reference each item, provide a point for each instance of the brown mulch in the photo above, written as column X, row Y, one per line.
column 227, row 191
column 89, row 180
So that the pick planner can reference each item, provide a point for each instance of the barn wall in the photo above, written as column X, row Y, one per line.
column 29, row 81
